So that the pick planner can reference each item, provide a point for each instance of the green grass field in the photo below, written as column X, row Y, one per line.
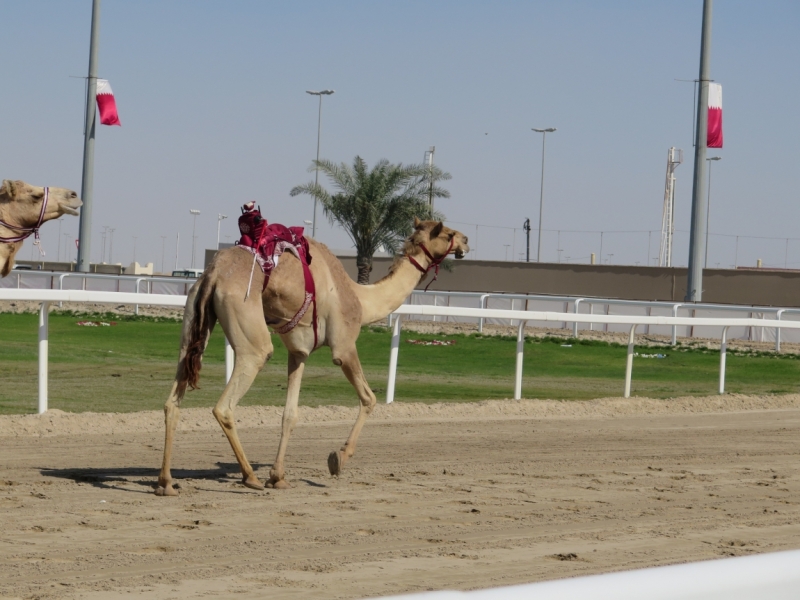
column 130, row 366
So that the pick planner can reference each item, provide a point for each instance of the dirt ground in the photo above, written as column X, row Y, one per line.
column 438, row 496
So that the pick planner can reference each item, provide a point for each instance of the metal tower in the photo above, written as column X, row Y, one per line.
column 674, row 158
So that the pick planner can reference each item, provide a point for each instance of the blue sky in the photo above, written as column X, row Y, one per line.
column 214, row 112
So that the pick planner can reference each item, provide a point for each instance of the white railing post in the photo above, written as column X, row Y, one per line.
column 230, row 358
column 61, row 286
column 135, row 306
column 723, row 353
column 778, row 331
column 395, row 348
column 629, row 364
column 675, row 327
column 520, row 358
column 576, row 310
column 44, row 317
column 480, row 319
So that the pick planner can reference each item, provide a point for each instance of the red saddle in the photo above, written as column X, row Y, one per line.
column 267, row 243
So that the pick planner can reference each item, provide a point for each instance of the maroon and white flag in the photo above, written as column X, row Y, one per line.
column 107, row 104
column 714, row 115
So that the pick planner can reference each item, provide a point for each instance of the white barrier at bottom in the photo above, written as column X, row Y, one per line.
column 774, row 576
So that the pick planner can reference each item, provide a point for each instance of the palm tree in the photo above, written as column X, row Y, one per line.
column 376, row 207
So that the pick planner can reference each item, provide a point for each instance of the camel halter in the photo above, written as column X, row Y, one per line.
column 435, row 262
column 27, row 231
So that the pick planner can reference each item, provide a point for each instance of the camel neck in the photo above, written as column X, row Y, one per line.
column 381, row 298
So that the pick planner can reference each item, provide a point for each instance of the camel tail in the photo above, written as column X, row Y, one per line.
column 202, row 321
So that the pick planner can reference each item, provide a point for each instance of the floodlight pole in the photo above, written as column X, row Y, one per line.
column 694, row 282
column 526, row 226
column 87, row 177
column 220, row 217
column 194, row 213
column 316, row 170
column 544, row 133
column 429, row 157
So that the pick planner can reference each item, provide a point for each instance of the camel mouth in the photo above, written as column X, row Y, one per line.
column 70, row 207
column 459, row 253
column 68, row 210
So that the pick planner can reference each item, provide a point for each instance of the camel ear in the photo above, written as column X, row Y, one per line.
column 8, row 188
column 437, row 230
column 417, row 223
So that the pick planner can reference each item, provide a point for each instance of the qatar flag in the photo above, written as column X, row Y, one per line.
column 714, row 115
column 107, row 104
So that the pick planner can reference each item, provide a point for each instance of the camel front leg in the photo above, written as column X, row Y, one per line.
column 297, row 363
column 351, row 366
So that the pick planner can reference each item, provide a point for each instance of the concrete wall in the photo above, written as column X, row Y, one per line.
column 725, row 286
column 758, row 287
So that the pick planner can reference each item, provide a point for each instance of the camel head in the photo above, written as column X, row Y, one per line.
column 21, row 211
column 437, row 237
column 21, row 203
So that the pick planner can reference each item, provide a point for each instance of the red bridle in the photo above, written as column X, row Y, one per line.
column 435, row 262
column 27, row 231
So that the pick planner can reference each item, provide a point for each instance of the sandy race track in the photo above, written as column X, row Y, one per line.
column 443, row 496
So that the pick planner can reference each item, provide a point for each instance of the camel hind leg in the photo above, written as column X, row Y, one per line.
column 172, row 405
column 351, row 366
column 246, row 330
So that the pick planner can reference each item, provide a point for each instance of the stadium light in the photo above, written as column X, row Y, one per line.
column 544, row 133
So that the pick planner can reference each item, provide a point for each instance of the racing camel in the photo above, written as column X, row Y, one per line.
column 23, row 209
column 342, row 307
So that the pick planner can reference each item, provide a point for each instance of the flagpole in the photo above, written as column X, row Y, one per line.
column 85, row 232
column 694, row 282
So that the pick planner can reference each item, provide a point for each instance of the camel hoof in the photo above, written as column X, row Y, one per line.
column 335, row 463
column 281, row 484
column 166, row 490
column 252, row 482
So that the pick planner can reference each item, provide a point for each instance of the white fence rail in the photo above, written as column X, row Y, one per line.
column 775, row 576
column 523, row 317
column 180, row 286
column 722, row 325
column 99, row 282
column 577, row 304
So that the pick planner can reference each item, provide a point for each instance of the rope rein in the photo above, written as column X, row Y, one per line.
column 435, row 262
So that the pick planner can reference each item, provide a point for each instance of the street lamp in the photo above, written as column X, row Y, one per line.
column 193, row 212
column 321, row 93
column 708, row 204
column 544, row 133
column 220, row 217
column 111, row 246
